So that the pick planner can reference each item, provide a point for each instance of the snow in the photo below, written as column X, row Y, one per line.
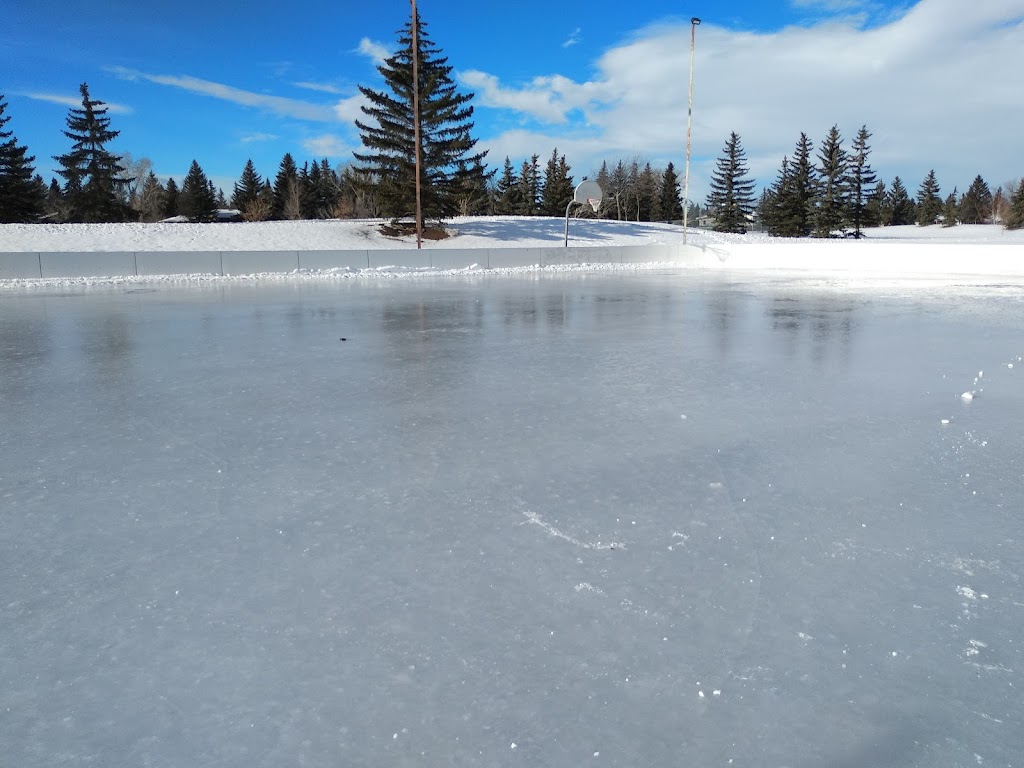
column 472, row 232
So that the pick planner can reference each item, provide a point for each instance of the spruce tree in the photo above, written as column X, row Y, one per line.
column 831, row 202
column 171, row 194
column 557, row 187
column 876, row 211
column 247, row 188
column 670, row 203
column 976, row 205
column 795, row 193
column 731, row 199
column 446, row 145
column 287, row 192
column 506, row 191
column 152, row 199
column 94, row 181
column 528, row 197
column 901, row 207
column 1015, row 211
column 861, row 180
column 22, row 198
column 950, row 210
column 648, row 202
column 197, row 200
column 929, row 204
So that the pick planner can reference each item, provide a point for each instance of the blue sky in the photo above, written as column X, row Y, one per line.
column 936, row 81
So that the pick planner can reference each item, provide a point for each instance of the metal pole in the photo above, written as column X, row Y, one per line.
column 694, row 22
column 567, row 222
column 416, row 117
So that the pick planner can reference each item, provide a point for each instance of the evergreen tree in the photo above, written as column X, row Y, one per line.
column 795, row 193
column 21, row 197
column 287, row 193
column 506, row 200
column 901, row 207
column 1015, row 212
column 152, row 199
column 764, row 213
column 771, row 214
column 197, row 200
column 54, row 204
column 247, row 188
column 950, row 209
column 929, row 204
column 876, row 212
column 171, row 195
column 976, row 205
column 604, row 181
column 670, row 204
column 648, row 202
column 93, row 178
column 618, row 189
column 557, row 188
column 528, row 196
column 447, row 147
column 831, row 202
column 861, row 180
column 731, row 199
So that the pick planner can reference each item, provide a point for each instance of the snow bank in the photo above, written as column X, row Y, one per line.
column 35, row 254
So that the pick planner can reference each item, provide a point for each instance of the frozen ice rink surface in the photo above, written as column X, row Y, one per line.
column 613, row 520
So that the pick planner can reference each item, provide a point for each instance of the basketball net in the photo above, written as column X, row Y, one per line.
column 595, row 204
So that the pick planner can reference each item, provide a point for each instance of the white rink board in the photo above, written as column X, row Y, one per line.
column 178, row 263
column 104, row 264
column 19, row 265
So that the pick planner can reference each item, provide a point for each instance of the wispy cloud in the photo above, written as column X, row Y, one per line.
column 257, row 137
column 374, row 50
column 76, row 101
column 278, row 105
column 548, row 99
column 349, row 110
column 329, row 145
column 321, row 87
column 574, row 37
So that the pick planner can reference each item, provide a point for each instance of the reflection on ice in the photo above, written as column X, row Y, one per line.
column 646, row 516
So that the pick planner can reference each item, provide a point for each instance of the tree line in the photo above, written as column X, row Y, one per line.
column 833, row 193
column 836, row 193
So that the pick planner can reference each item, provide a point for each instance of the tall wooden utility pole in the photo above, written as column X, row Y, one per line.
column 416, row 117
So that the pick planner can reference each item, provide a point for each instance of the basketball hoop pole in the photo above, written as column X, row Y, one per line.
column 694, row 23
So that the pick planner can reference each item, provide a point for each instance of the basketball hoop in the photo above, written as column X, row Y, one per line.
column 586, row 193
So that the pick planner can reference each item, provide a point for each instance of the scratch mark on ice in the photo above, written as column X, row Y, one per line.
column 535, row 519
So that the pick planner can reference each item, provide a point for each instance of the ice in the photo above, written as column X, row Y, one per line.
column 230, row 539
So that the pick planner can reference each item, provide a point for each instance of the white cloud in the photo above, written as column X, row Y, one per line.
column 327, row 145
column 935, row 94
column 549, row 98
column 573, row 39
column 321, row 87
column 374, row 50
column 76, row 101
column 255, row 137
column 349, row 110
column 277, row 104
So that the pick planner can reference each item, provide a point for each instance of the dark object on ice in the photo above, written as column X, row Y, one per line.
column 343, row 338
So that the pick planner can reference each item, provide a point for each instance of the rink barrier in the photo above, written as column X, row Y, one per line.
column 892, row 258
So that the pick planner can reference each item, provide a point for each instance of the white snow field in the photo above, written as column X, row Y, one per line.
column 80, row 254
column 644, row 517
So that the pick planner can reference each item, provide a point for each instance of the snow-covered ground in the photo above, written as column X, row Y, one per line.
column 473, row 232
